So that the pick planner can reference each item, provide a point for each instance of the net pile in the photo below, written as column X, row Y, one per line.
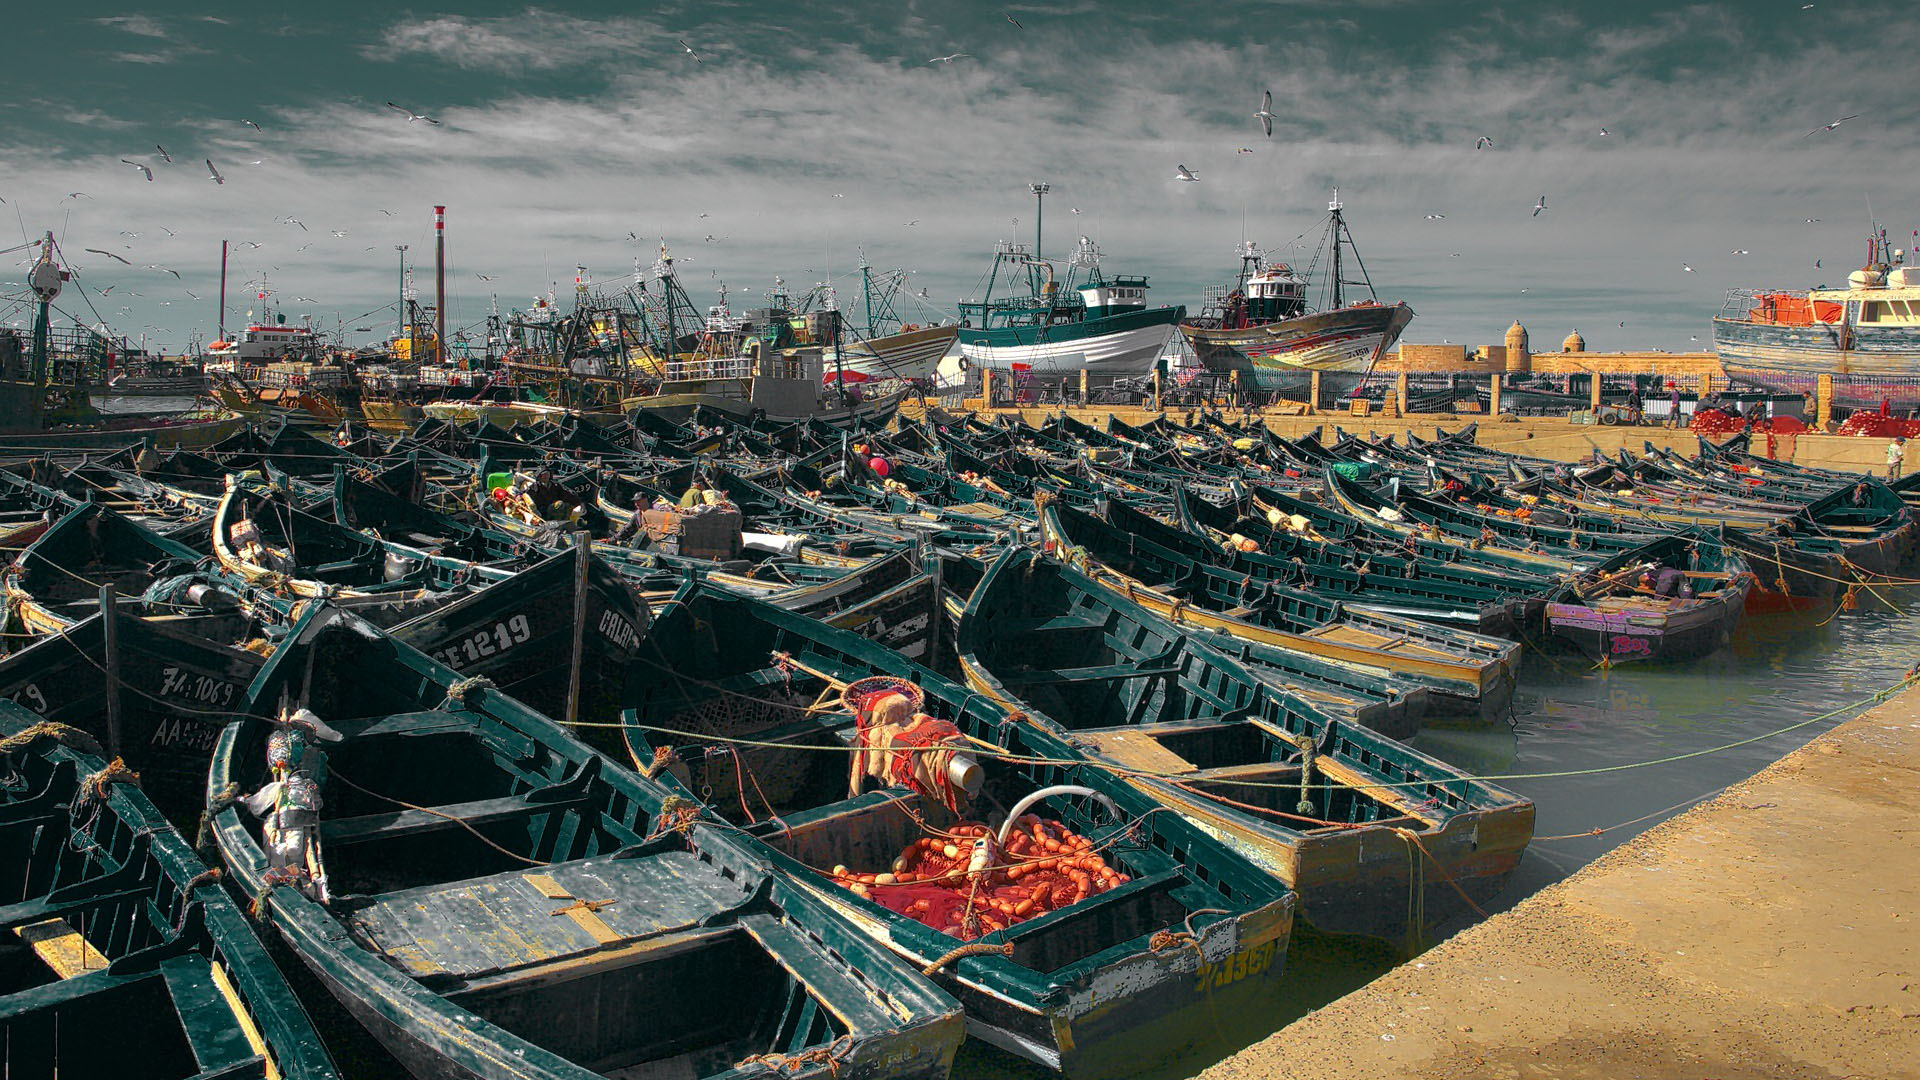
column 957, row 884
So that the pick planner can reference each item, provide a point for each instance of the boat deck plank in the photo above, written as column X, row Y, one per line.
column 512, row 920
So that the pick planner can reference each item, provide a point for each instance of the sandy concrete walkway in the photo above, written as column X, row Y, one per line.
column 1773, row 932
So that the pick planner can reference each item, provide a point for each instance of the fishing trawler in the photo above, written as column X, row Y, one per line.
column 887, row 348
column 1263, row 330
column 1867, row 335
column 1088, row 322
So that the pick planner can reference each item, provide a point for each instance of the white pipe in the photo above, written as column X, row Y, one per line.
column 1020, row 807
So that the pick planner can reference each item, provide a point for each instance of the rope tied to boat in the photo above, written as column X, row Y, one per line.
column 830, row 1055
column 205, row 877
column 1307, row 753
column 678, row 815
column 66, row 735
column 97, row 786
column 663, row 758
column 461, row 690
column 971, row 948
column 218, row 801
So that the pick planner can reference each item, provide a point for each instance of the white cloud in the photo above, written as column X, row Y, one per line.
column 1704, row 158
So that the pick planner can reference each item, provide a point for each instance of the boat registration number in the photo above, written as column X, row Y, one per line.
column 615, row 628
column 1244, row 964
column 486, row 642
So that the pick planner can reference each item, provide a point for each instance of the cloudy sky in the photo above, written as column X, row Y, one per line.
column 807, row 133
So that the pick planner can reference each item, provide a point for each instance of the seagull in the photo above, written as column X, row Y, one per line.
column 1739, row 251
column 389, row 213
column 1812, row 220
column 1186, row 174
column 168, row 231
column 910, row 224
column 142, row 168
column 689, row 49
column 1014, row 21
column 712, row 239
column 1829, row 127
column 484, row 277
column 1623, row 326
column 949, row 59
column 1816, row 264
column 411, row 115
column 109, row 289
column 837, row 195
column 338, row 232
column 1539, row 206
column 1435, row 217
column 290, row 220
column 1073, row 209
column 634, row 238
column 252, row 244
column 79, row 195
column 256, row 161
column 1266, row 112
column 108, row 254
column 305, row 300
column 251, row 124
column 706, row 215
column 1693, row 337
column 1243, row 150
column 193, row 294
column 1482, row 143
column 213, row 174
column 1604, row 131
column 1687, row 268
column 163, row 153
column 162, row 269
column 303, row 247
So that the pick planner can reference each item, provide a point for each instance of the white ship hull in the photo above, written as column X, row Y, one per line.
column 1129, row 353
column 911, row 355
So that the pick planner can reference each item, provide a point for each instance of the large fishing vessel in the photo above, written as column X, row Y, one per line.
column 1088, row 322
column 887, row 347
column 1867, row 335
column 1264, row 327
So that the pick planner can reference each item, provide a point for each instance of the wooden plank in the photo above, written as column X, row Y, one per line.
column 366, row 827
column 61, row 947
column 1136, row 750
column 245, row 1019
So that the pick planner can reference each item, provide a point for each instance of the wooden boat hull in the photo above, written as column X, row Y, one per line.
column 1212, row 743
column 686, row 957
column 913, row 354
column 1684, row 633
column 1283, row 356
column 145, row 967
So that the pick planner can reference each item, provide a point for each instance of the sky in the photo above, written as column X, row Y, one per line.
column 805, row 135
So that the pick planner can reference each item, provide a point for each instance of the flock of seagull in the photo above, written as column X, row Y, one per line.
column 1265, row 115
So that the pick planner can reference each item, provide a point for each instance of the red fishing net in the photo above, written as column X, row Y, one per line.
column 941, row 882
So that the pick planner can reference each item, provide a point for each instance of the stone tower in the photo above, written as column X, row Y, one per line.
column 1574, row 343
column 1519, row 361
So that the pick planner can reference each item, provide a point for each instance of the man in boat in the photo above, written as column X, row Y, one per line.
column 549, row 498
column 634, row 524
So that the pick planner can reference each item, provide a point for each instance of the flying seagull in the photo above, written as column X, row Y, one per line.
column 387, row 212
column 303, row 247
column 411, row 115
column 162, row 269
column 142, row 168
column 305, row 300
column 1073, row 209
column 252, row 244
column 1014, row 21
column 484, row 277
column 1739, row 251
column 338, row 232
column 79, row 195
column 712, row 239
column 163, row 153
column 949, row 59
column 213, row 174
column 1829, row 127
column 251, row 124
column 1435, row 217
column 1186, row 174
column 1539, row 206
column 1604, row 131
column 1244, row 150
column 1811, row 220
column 1687, row 268
column 294, row 221
column 689, row 49
column 1266, row 112
column 108, row 254
column 193, row 294
column 1482, row 143
column 910, row 224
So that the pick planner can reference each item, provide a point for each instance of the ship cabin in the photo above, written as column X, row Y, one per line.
column 1115, row 295
column 1275, row 293
column 1880, row 296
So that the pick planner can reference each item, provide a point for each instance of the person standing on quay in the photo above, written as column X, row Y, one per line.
column 1896, row 454
column 1673, row 403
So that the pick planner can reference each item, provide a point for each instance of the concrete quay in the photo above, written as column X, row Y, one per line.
column 1769, row 933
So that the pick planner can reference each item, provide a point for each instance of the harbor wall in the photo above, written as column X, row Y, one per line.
column 1767, row 933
